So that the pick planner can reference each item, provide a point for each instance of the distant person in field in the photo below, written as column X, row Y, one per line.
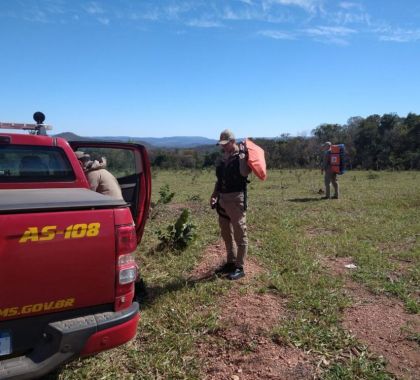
column 100, row 179
column 230, row 200
column 329, row 176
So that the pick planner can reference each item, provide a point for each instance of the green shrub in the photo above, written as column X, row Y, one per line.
column 194, row 198
column 178, row 235
column 372, row 175
column 165, row 195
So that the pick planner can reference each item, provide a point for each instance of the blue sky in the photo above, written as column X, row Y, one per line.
column 192, row 68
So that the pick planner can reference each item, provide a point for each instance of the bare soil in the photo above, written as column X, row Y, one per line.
column 241, row 348
column 214, row 257
column 381, row 323
column 400, row 246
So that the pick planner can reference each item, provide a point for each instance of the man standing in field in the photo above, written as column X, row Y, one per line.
column 329, row 176
column 229, row 199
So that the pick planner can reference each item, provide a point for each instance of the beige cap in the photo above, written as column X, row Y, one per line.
column 81, row 155
column 226, row 136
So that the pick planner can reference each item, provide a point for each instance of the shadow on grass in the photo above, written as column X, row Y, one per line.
column 302, row 200
column 146, row 295
column 55, row 375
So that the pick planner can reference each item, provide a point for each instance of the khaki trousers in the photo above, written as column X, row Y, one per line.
column 329, row 178
column 232, row 222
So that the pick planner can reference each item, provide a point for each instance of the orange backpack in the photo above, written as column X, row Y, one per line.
column 256, row 159
column 337, row 158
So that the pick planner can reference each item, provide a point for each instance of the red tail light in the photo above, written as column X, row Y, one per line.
column 126, row 272
column 126, row 239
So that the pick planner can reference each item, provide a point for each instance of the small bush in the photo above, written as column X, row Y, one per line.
column 165, row 195
column 373, row 175
column 195, row 198
column 178, row 235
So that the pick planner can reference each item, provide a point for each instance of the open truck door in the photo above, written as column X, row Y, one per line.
column 129, row 163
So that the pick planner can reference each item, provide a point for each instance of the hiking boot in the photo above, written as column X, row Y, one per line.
column 335, row 197
column 225, row 269
column 236, row 274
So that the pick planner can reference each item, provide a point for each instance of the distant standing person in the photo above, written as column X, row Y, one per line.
column 100, row 179
column 230, row 200
column 329, row 176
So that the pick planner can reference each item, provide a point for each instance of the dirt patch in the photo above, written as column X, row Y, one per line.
column 241, row 348
column 215, row 256
column 381, row 323
column 396, row 247
column 337, row 265
column 386, row 329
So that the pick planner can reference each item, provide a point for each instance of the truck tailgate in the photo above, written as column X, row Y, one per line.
column 55, row 261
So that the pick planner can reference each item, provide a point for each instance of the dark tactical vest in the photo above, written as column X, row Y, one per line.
column 229, row 179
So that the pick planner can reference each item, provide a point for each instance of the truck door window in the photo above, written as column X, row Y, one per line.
column 34, row 164
column 120, row 162
column 123, row 165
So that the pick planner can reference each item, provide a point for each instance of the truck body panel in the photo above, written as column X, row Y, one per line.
column 45, row 249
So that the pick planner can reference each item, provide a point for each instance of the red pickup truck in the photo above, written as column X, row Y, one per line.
column 67, row 265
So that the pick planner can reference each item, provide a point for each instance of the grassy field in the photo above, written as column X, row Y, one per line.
column 293, row 236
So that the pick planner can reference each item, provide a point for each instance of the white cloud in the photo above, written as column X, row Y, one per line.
column 204, row 24
column 345, row 18
column 174, row 12
column 94, row 8
column 56, row 7
column 104, row 20
column 277, row 35
column 329, row 31
column 329, row 34
column 235, row 15
column 349, row 5
column 254, row 14
column 38, row 16
column 96, row 11
column 310, row 6
column 399, row 35
column 276, row 19
column 150, row 15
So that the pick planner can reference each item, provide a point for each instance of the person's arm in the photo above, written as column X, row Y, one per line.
column 214, row 195
column 93, row 179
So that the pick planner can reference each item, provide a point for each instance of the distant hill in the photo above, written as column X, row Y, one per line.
column 179, row 141
column 69, row 136
column 165, row 142
column 151, row 142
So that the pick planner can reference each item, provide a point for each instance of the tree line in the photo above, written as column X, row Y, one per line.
column 375, row 142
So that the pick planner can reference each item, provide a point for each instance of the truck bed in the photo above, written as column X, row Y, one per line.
column 38, row 200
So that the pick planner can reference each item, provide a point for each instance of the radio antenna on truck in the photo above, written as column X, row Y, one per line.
column 37, row 129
